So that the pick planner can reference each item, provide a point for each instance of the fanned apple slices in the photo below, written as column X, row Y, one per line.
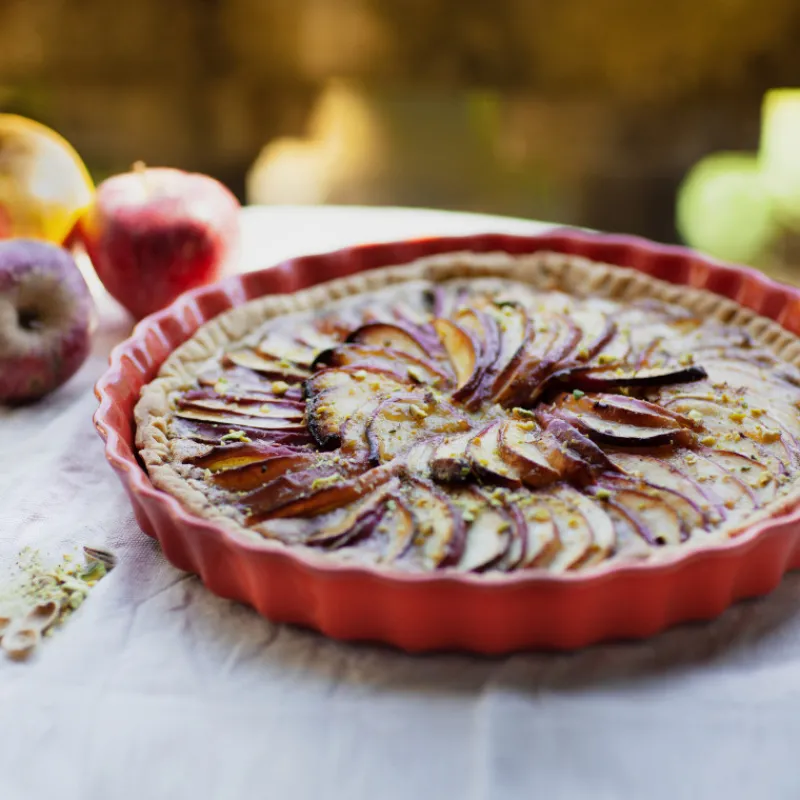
column 484, row 426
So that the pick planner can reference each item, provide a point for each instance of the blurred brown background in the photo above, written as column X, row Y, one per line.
column 582, row 111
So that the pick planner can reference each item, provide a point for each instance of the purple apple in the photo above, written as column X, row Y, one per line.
column 45, row 319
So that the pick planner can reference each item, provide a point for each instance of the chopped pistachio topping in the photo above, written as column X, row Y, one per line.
column 235, row 436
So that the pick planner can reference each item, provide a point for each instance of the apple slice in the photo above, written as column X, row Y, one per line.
column 488, row 530
column 574, row 535
column 248, row 477
column 608, row 432
column 515, row 331
column 626, row 410
column 271, row 410
column 597, row 331
column 239, row 385
column 418, row 458
column 602, row 527
column 726, row 423
column 213, row 433
column 385, row 540
column 599, row 379
column 239, row 454
column 403, row 367
column 659, row 521
column 658, row 472
column 386, row 336
column 401, row 420
column 359, row 519
column 521, row 383
column 519, row 447
column 268, row 367
column 334, row 396
column 726, row 491
column 541, row 534
column 449, row 461
column 486, row 460
column 754, row 474
column 234, row 420
column 485, row 333
column 692, row 516
column 284, row 347
column 462, row 351
column 569, row 452
column 309, row 493
column 514, row 556
column 438, row 529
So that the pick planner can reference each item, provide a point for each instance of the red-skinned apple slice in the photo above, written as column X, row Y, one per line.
column 608, row 432
column 241, row 384
column 285, row 410
column 268, row 367
column 661, row 523
column 515, row 331
column 597, row 331
column 604, row 379
column 727, row 492
column 716, row 417
column 284, row 347
column 309, row 493
column 519, row 446
column 570, row 453
column 485, row 459
column 574, row 534
column 485, row 332
column 249, row 477
column 239, row 454
column 438, row 528
column 403, row 367
column 449, row 461
column 555, row 338
column 661, row 473
column 237, row 420
column 488, row 530
column 213, row 433
column 369, row 510
column 541, row 534
column 388, row 336
column 517, row 548
column 755, row 475
column 418, row 458
column 403, row 418
column 692, row 516
column 335, row 395
column 602, row 527
column 462, row 351
column 622, row 409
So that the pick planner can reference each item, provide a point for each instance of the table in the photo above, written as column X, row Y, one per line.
column 157, row 689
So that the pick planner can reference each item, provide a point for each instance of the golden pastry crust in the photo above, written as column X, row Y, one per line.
column 166, row 454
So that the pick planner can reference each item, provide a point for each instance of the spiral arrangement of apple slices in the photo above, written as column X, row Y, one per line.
column 482, row 425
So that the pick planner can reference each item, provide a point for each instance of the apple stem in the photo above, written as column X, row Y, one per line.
column 140, row 168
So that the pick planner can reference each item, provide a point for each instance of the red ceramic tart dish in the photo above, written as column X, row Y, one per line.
column 554, row 599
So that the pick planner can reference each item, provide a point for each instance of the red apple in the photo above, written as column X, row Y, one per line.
column 45, row 319
column 154, row 233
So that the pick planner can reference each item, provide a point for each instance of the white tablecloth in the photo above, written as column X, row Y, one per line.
column 157, row 689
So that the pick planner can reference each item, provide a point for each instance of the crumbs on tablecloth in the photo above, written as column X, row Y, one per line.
column 41, row 597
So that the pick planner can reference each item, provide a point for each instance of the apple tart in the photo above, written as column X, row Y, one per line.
column 483, row 413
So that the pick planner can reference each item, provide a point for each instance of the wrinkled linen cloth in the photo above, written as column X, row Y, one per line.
column 156, row 688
